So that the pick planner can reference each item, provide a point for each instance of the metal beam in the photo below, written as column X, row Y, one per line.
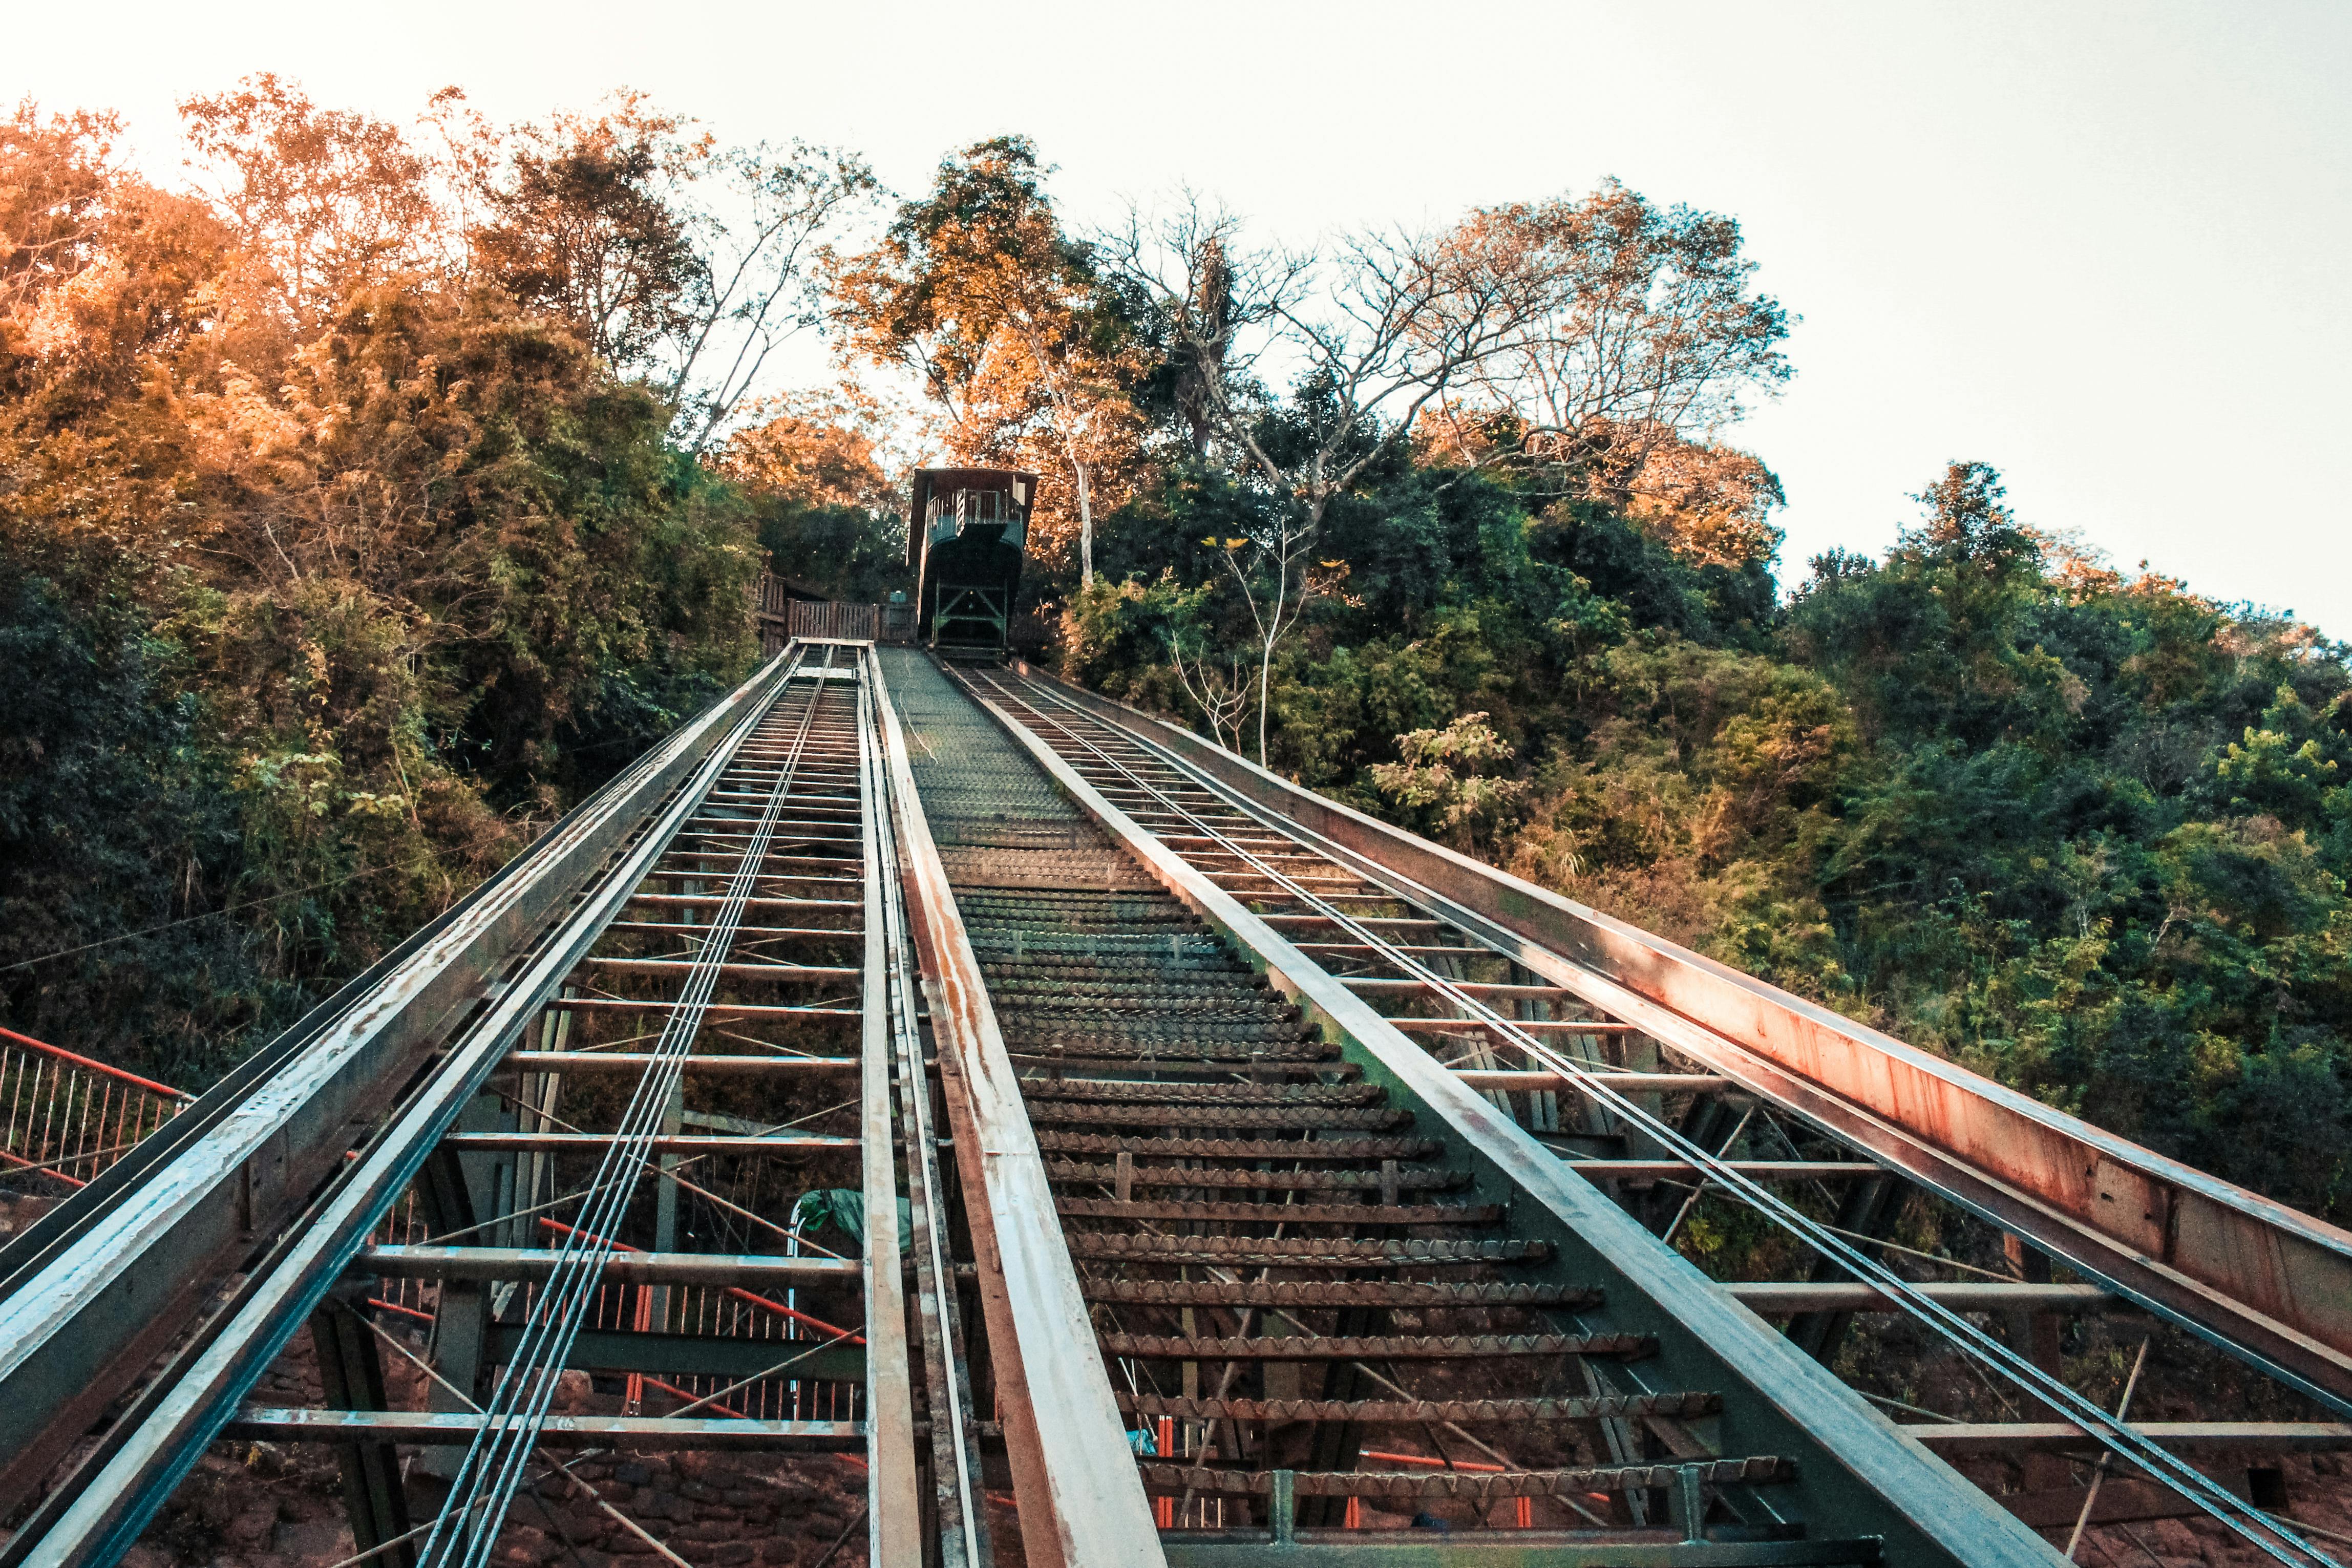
column 531, row 1263
column 1773, row 1297
column 1082, row 1503
column 2252, row 1275
column 457, row 1428
column 350, row 1379
column 894, row 1513
column 638, row 1061
column 676, row 1143
column 1992, row 1439
column 1503, row 1549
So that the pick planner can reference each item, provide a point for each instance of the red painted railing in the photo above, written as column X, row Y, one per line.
column 68, row 1117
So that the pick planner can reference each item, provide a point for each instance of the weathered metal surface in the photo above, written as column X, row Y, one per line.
column 1311, row 1293
column 746, row 1066
column 1472, row 1485
column 1356, row 1213
column 958, row 1506
column 1369, row 1347
column 1869, row 1471
column 1081, row 1504
column 2253, row 1274
column 1994, row 1438
column 1773, row 1296
column 802, row 1273
column 457, row 1428
column 91, row 1299
column 778, row 1143
column 895, row 1523
column 1612, row 1407
column 1303, row 1251
column 1515, row 1549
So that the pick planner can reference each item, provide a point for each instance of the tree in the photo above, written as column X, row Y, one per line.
column 678, row 260
column 977, row 290
column 1650, row 334
column 326, row 201
column 827, row 514
column 1712, row 504
column 1378, row 329
column 587, row 223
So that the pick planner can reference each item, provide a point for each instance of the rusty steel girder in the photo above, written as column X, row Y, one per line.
column 1081, row 1502
column 2262, row 1281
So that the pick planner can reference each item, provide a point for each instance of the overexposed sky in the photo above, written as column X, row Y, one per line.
column 2101, row 246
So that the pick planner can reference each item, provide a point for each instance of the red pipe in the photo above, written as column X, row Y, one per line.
column 737, row 1291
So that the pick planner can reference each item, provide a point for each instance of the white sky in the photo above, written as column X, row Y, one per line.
column 2101, row 247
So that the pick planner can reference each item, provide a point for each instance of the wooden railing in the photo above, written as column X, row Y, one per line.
column 827, row 620
column 782, row 615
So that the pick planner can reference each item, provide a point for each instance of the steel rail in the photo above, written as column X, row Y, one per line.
column 494, row 1462
column 955, row 1438
column 134, row 1468
column 2125, row 1440
column 1082, row 1502
column 2269, row 1285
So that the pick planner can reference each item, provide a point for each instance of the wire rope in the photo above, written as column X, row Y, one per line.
column 2115, row 1433
column 517, row 1410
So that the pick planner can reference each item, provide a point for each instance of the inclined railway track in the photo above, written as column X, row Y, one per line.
column 1270, row 1187
column 570, row 1130
column 1373, row 952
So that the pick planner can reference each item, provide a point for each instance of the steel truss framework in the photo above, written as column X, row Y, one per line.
column 568, row 1130
column 1581, row 1057
column 1264, row 1139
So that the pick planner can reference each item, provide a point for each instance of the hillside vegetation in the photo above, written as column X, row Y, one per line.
column 362, row 506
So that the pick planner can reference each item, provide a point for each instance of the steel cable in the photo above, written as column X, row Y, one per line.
column 517, row 1410
column 2116, row 1435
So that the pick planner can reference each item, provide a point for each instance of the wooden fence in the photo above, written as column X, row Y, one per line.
column 783, row 614
column 824, row 620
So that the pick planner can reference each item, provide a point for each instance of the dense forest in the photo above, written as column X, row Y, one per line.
column 368, row 500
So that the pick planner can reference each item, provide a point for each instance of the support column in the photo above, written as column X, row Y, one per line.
column 351, row 1373
column 461, row 1322
column 1870, row 1208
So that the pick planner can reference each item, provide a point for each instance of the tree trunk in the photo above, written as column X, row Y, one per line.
column 1086, row 523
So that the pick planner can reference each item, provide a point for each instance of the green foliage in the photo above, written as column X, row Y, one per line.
column 2087, row 834
column 324, row 582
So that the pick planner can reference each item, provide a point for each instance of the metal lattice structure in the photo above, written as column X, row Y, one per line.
column 1269, row 1187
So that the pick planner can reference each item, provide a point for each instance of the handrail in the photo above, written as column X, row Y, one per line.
column 87, row 1065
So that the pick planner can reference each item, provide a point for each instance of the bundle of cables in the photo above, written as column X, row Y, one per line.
column 492, row 1470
